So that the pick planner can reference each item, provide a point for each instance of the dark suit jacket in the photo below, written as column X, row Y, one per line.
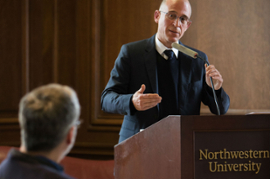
column 18, row 165
column 135, row 65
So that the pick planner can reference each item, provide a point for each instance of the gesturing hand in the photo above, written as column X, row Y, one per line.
column 142, row 101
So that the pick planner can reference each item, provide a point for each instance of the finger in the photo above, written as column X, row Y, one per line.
column 151, row 101
column 146, row 99
column 142, row 89
column 219, row 79
column 211, row 67
column 150, row 96
column 148, row 106
column 214, row 73
column 144, row 105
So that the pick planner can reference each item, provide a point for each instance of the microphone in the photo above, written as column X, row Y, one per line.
column 188, row 52
column 185, row 50
column 195, row 55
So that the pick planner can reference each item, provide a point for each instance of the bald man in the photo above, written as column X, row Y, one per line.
column 151, row 80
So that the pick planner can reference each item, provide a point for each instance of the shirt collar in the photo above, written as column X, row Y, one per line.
column 161, row 48
column 13, row 153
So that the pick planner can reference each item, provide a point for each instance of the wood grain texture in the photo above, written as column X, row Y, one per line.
column 234, row 34
column 11, row 55
column 75, row 43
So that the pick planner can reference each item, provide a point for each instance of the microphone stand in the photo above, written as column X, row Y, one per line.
column 212, row 84
column 194, row 54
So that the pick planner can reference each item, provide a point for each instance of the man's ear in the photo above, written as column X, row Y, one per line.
column 70, row 134
column 156, row 16
column 189, row 24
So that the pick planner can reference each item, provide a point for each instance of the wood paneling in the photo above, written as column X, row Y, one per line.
column 41, row 42
column 75, row 42
column 122, row 22
column 235, row 36
column 11, row 68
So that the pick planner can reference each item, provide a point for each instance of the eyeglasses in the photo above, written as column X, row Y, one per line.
column 78, row 123
column 173, row 16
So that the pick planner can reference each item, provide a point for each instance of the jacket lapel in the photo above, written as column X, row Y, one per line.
column 185, row 76
column 151, row 63
column 185, row 69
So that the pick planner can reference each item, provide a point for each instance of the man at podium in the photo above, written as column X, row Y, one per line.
column 151, row 80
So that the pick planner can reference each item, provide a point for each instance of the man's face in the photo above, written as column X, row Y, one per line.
column 170, row 31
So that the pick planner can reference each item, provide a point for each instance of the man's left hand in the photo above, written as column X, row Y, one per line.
column 211, row 71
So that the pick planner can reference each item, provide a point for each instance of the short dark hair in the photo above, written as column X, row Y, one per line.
column 46, row 114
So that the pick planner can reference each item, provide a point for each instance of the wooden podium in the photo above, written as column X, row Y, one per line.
column 198, row 147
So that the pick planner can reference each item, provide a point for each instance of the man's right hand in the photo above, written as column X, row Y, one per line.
column 143, row 102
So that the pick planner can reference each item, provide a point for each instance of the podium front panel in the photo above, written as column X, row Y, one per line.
column 244, row 139
column 198, row 147
column 232, row 154
column 152, row 153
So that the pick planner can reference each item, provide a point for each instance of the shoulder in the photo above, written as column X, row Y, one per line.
column 140, row 46
column 28, row 169
column 142, row 43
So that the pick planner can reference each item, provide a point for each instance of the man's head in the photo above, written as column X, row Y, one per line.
column 173, row 20
column 47, row 115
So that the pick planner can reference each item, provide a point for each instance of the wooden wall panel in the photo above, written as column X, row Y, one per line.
column 76, row 43
column 66, row 41
column 41, row 42
column 234, row 34
column 11, row 71
column 121, row 22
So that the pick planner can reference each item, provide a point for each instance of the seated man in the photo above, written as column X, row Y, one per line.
column 48, row 118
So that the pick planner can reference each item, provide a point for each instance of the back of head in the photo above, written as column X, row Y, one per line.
column 46, row 114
